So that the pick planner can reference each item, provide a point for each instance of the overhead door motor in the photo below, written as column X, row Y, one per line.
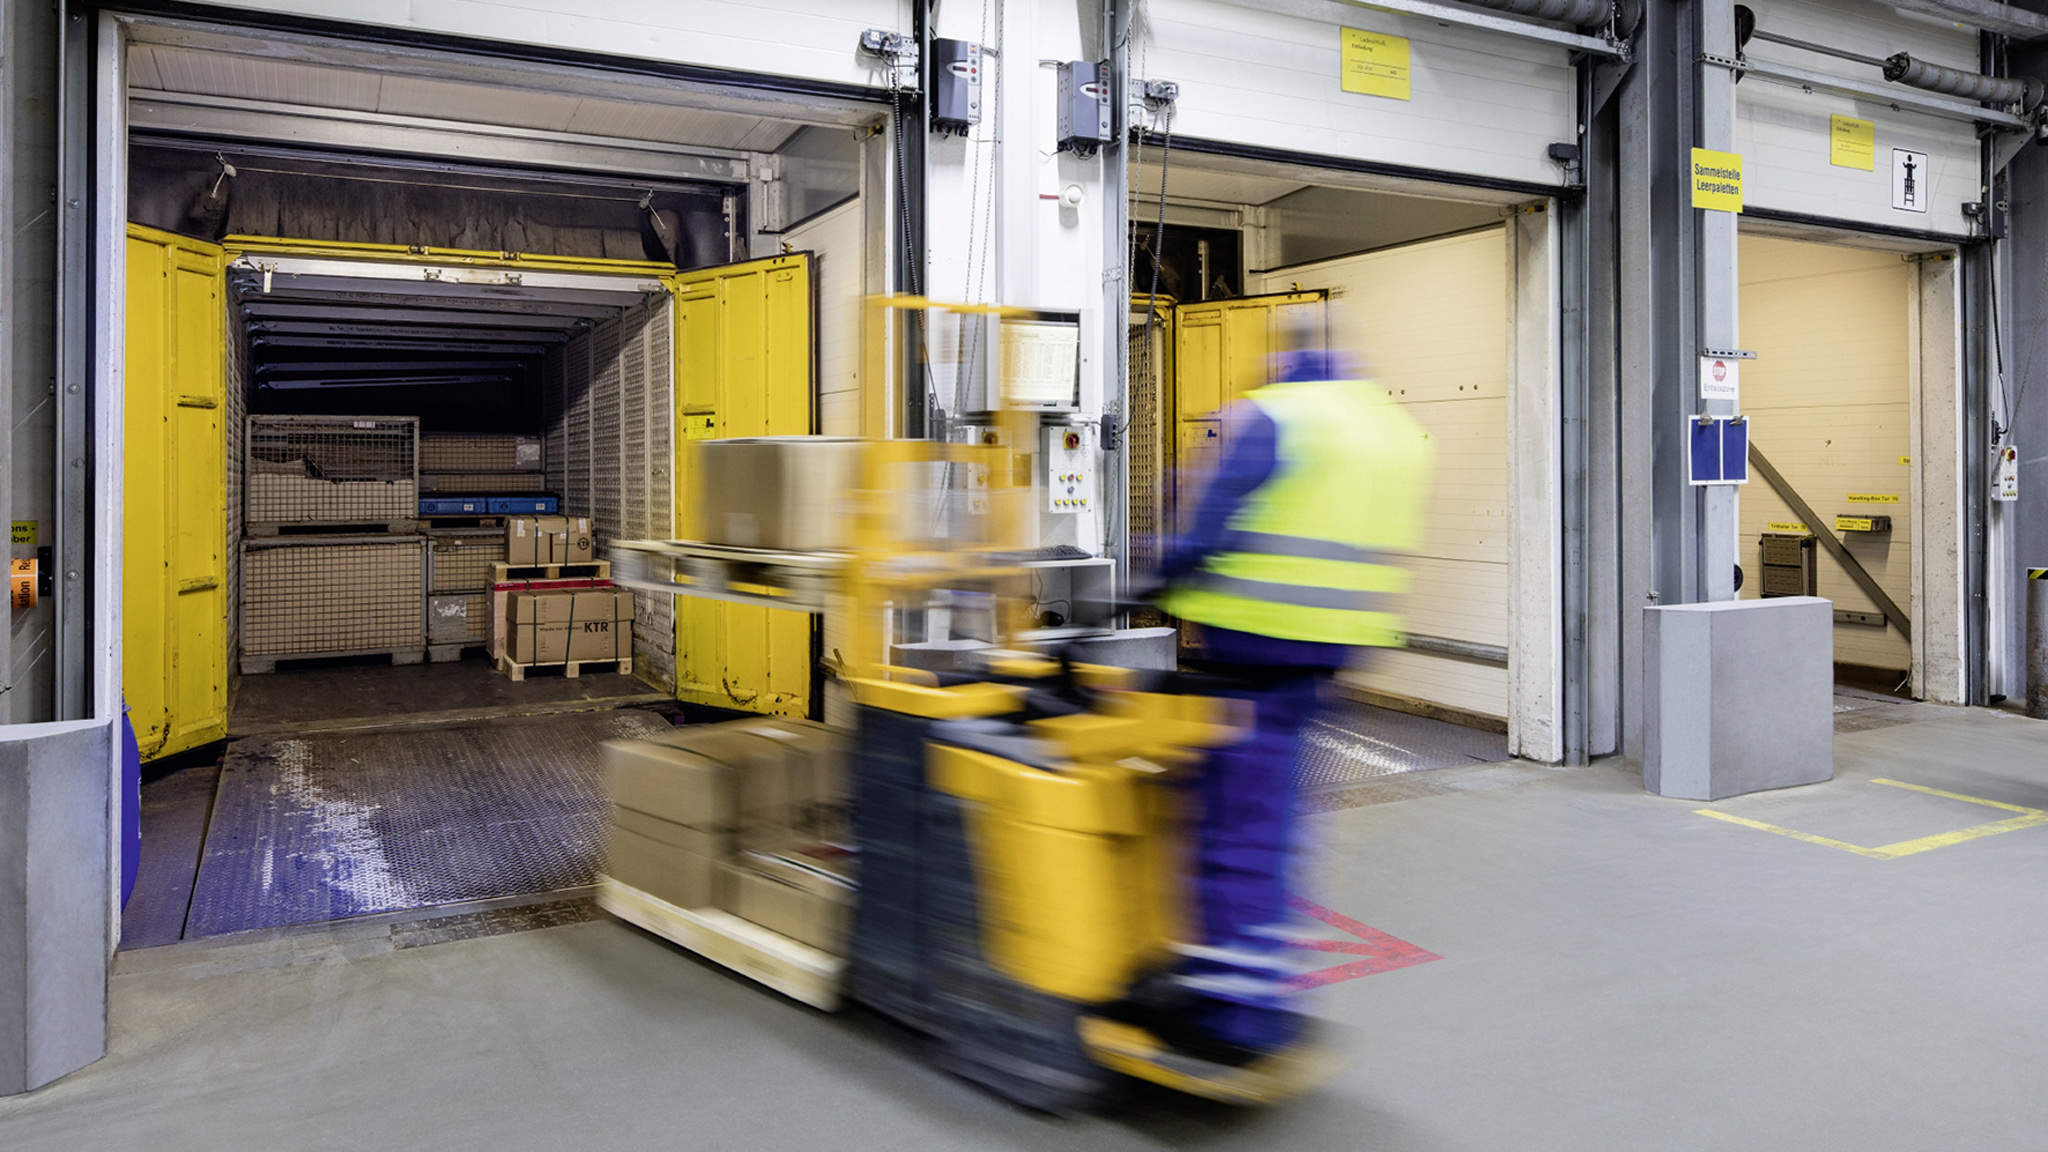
column 1084, row 113
column 955, row 86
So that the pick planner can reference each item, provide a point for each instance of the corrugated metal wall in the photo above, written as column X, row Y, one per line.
column 1432, row 321
column 813, row 39
column 1480, row 103
column 1829, row 396
column 1783, row 133
column 607, row 402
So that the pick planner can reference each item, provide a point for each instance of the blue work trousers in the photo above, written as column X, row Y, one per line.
column 1245, row 855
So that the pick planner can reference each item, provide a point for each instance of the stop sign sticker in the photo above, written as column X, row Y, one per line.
column 1720, row 379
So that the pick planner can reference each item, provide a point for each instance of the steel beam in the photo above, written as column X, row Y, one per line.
column 1858, row 575
column 1656, row 286
column 281, row 303
column 426, row 333
column 1717, row 295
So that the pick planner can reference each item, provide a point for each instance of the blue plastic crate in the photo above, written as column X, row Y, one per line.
column 453, row 506
column 523, row 505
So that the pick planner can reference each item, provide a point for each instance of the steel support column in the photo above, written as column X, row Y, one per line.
column 1718, row 290
column 1657, row 290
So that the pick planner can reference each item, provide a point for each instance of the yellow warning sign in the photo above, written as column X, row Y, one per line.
column 24, row 533
column 1852, row 143
column 1375, row 64
column 1873, row 498
column 1716, row 180
column 1788, row 526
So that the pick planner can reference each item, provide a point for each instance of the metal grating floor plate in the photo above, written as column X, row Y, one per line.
column 313, row 828
column 1350, row 743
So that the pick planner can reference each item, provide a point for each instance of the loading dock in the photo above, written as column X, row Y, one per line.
column 599, row 266
column 1440, row 291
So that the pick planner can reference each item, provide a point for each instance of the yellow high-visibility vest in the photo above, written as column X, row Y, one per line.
column 1314, row 549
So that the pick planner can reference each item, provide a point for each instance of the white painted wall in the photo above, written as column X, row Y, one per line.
column 807, row 39
column 838, row 243
column 1433, row 323
column 1782, row 132
column 1482, row 103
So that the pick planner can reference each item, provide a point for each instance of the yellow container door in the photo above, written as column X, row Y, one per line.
column 174, row 516
column 743, row 337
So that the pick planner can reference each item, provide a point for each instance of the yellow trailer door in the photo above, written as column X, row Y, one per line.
column 743, row 338
column 174, row 640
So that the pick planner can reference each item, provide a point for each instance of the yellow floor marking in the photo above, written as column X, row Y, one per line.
column 2027, row 818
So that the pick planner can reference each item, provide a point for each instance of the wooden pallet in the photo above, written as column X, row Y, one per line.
column 805, row 581
column 798, row 971
column 502, row 573
column 353, row 528
column 264, row 665
column 570, row 668
column 451, row 652
column 445, row 522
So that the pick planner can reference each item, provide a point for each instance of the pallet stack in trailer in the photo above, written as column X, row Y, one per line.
column 471, row 484
column 332, row 560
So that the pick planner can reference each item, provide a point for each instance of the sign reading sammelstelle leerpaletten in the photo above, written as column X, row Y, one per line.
column 1716, row 180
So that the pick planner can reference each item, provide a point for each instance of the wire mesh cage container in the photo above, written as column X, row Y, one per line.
column 460, row 619
column 479, row 452
column 319, row 471
column 481, row 483
column 304, row 597
column 459, row 560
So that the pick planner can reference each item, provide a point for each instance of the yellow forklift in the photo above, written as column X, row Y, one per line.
column 1019, row 828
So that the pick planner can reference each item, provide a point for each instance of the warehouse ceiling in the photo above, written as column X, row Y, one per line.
column 465, row 356
column 224, row 73
column 183, row 62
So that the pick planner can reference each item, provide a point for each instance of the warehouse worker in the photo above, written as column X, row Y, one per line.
column 1290, row 566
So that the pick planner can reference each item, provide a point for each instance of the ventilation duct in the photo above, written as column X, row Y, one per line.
column 1577, row 13
column 2026, row 91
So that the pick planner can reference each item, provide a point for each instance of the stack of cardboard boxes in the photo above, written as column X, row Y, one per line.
column 747, row 816
column 558, row 626
column 549, row 540
column 558, row 617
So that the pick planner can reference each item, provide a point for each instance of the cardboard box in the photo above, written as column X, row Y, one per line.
column 715, row 843
column 671, row 783
column 782, row 492
column 815, row 793
column 565, row 643
column 827, row 869
column 549, row 540
column 569, row 605
column 819, row 919
column 552, row 627
column 665, row 871
column 529, row 539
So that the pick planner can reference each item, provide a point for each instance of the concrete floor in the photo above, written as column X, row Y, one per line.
column 1617, row 971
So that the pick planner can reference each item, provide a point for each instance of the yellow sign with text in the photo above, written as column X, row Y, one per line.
column 1787, row 526
column 1375, row 64
column 1873, row 498
column 1716, row 180
column 24, row 533
column 1852, row 143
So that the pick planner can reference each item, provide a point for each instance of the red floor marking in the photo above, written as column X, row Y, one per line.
column 1383, row 953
